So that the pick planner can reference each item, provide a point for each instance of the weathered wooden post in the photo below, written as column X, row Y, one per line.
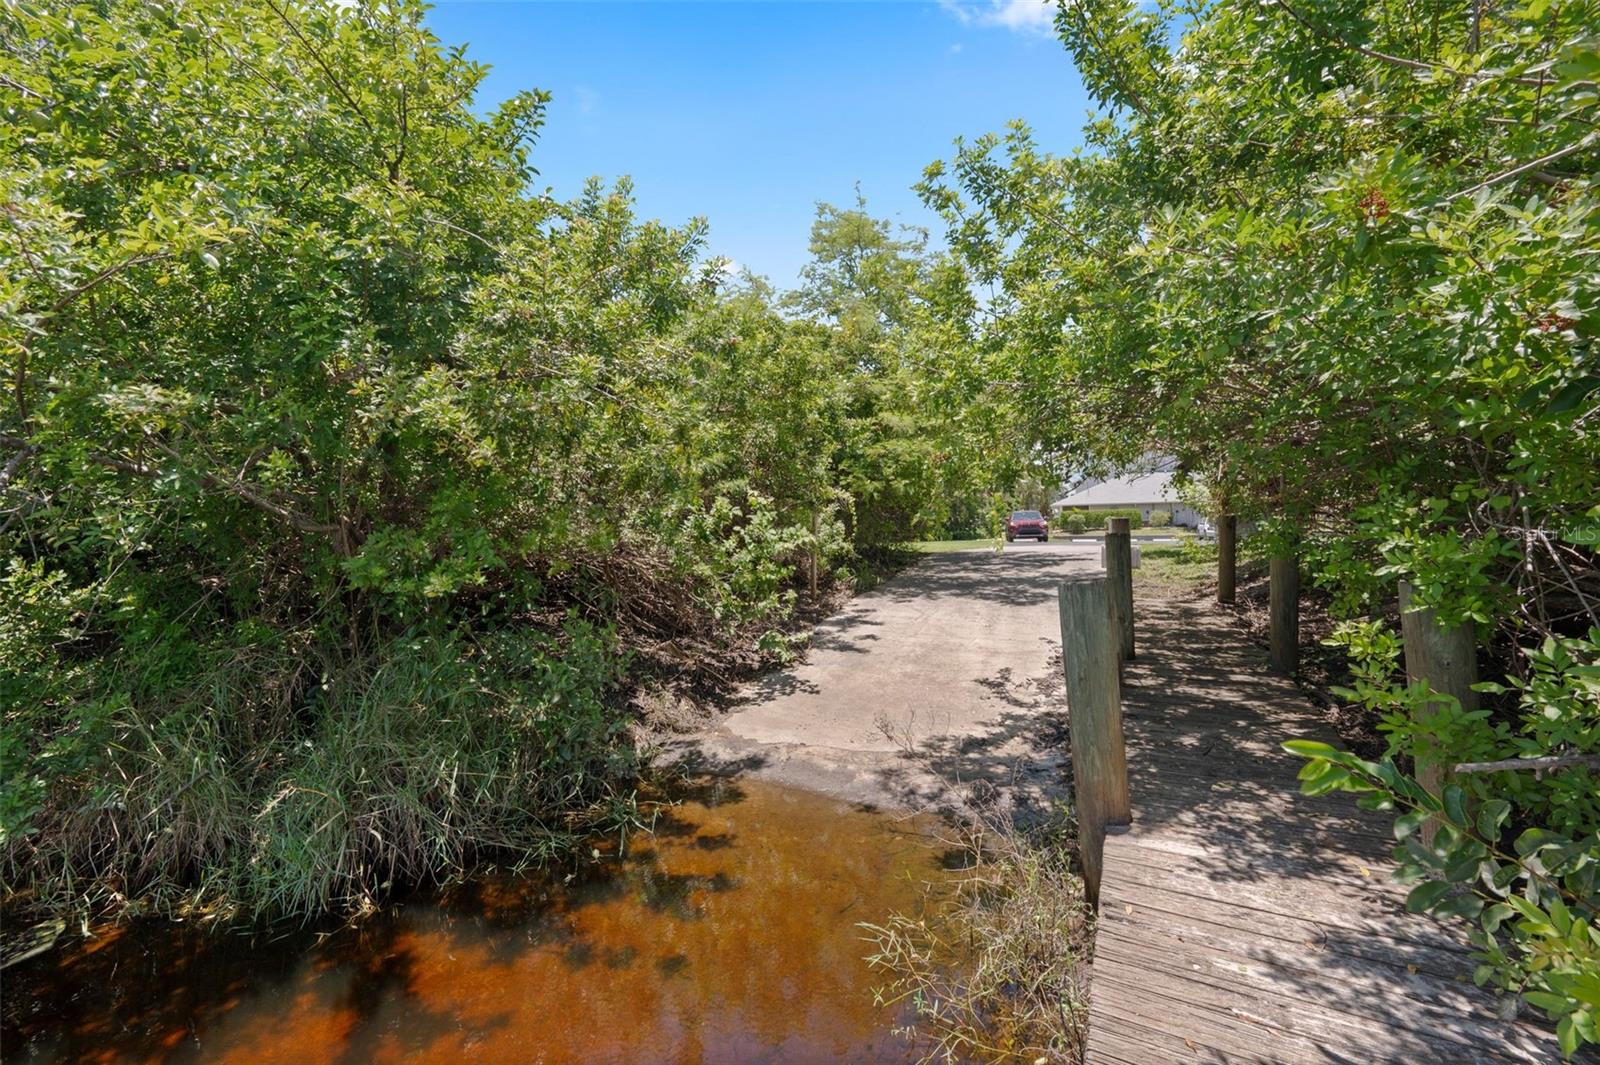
column 1094, row 701
column 1227, row 557
column 1119, row 576
column 1447, row 659
column 816, row 526
column 1283, row 622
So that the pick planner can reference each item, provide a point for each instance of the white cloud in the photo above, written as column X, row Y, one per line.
column 1022, row 16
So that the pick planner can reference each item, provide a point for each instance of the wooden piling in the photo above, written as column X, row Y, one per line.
column 1094, row 700
column 816, row 527
column 1447, row 660
column 1119, row 577
column 1283, row 624
column 1227, row 557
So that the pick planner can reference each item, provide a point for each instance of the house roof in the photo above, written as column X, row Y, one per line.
column 1133, row 491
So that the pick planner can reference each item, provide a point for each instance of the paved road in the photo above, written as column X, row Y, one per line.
column 938, row 684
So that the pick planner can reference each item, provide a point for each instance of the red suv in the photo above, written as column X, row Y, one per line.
column 1027, row 523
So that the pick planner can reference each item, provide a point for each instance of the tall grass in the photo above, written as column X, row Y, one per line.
column 277, row 787
column 999, row 973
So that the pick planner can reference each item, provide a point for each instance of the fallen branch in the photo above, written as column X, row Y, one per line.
column 1550, row 761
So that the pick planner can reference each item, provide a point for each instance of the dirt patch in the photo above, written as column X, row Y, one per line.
column 687, row 681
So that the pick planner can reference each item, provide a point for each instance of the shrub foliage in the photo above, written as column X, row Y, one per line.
column 1339, row 261
column 343, row 474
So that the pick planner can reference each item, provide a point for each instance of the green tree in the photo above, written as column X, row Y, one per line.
column 344, row 477
column 1338, row 259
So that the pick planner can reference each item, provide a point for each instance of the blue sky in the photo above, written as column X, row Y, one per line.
column 748, row 113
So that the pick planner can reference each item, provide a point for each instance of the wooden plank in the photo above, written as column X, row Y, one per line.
column 1202, row 767
column 1235, row 1035
column 1285, row 886
column 1374, row 1037
column 1452, row 1028
column 1235, row 958
column 1215, row 1010
column 1131, row 1043
column 1326, row 882
column 1264, row 904
column 1236, row 812
column 1335, row 994
column 1293, row 941
column 1243, row 922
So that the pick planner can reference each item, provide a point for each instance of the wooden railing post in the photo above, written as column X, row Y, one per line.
column 1283, row 622
column 1119, row 575
column 1227, row 557
column 816, row 528
column 1094, row 701
column 1447, row 659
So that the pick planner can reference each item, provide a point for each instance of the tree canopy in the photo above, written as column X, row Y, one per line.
column 349, row 482
column 1339, row 260
column 345, row 474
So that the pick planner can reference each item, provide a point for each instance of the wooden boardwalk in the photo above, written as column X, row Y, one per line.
column 1243, row 922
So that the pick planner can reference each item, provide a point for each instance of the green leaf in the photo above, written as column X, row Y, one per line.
column 1567, row 1035
column 1572, row 395
column 1554, row 1005
column 1491, row 816
column 1427, row 895
column 1465, row 905
column 1494, row 916
column 1312, row 749
column 1409, row 824
column 1462, row 869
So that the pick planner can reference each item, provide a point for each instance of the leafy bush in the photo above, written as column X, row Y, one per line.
column 1383, row 356
column 1530, row 895
column 1160, row 519
column 433, row 750
column 316, row 436
column 1099, row 519
column 1004, row 964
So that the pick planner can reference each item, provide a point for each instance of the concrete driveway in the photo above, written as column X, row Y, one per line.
column 944, row 683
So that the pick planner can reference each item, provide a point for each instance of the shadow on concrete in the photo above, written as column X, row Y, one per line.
column 1019, row 578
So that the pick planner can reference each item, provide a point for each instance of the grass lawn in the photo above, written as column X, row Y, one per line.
column 1176, row 565
column 940, row 547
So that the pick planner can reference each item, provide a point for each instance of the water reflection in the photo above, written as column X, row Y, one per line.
column 727, row 936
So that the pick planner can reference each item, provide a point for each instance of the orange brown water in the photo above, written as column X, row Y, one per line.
column 727, row 936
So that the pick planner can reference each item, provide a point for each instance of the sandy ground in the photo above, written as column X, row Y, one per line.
column 944, row 683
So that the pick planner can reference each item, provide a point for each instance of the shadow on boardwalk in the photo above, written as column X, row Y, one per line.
column 1244, row 922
